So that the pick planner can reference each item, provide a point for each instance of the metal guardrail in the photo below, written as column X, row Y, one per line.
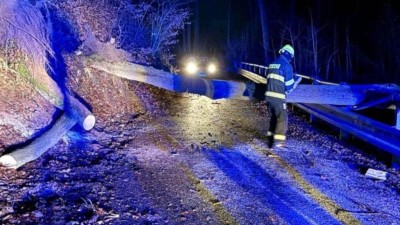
column 263, row 70
column 371, row 131
column 380, row 135
column 252, row 76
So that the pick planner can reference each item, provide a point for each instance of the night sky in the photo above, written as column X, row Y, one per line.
column 368, row 26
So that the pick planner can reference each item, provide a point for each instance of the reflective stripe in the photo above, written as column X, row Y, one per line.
column 280, row 137
column 276, row 77
column 274, row 66
column 289, row 82
column 275, row 95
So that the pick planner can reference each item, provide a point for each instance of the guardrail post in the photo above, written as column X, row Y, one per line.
column 396, row 159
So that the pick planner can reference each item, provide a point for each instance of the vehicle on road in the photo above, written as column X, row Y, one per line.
column 200, row 66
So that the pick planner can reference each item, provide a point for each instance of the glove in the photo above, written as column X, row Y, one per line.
column 296, row 82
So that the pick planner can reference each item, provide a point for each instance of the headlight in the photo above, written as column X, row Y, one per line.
column 212, row 68
column 192, row 68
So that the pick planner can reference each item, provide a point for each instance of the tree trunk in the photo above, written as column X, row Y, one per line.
column 228, row 32
column 214, row 89
column 40, row 145
column 25, row 24
column 197, row 26
column 218, row 89
column 326, row 94
column 49, row 89
column 264, row 29
column 314, row 42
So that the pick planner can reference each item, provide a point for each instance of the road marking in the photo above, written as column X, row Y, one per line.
column 223, row 215
column 329, row 205
column 226, row 218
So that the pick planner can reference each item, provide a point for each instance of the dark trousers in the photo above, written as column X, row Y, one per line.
column 278, row 120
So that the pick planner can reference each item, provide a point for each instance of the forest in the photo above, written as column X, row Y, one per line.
column 340, row 41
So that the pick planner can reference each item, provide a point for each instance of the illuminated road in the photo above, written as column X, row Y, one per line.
column 219, row 146
column 192, row 160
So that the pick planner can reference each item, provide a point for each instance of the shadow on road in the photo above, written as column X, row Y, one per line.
column 287, row 202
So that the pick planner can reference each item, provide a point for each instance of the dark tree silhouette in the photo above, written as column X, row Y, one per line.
column 264, row 29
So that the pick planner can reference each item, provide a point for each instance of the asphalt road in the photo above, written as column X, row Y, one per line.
column 219, row 148
column 192, row 160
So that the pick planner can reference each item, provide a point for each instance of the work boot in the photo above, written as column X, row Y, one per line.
column 270, row 141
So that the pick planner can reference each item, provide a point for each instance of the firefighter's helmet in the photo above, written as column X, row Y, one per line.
column 287, row 48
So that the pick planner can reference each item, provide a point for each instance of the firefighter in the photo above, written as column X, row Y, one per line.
column 280, row 81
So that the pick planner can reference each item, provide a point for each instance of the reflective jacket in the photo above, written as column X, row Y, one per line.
column 280, row 80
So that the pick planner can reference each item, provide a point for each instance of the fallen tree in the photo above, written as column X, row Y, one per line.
column 217, row 89
column 333, row 94
column 49, row 89
column 34, row 150
column 214, row 89
column 25, row 33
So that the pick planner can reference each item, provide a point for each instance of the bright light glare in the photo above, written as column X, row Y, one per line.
column 212, row 68
column 191, row 68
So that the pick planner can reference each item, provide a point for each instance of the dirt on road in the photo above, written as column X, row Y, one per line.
column 192, row 160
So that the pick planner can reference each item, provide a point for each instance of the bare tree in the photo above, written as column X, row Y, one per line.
column 196, row 25
column 238, row 47
column 349, row 63
column 166, row 21
column 150, row 29
column 264, row 28
column 390, row 39
column 314, row 46
column 228, row 32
